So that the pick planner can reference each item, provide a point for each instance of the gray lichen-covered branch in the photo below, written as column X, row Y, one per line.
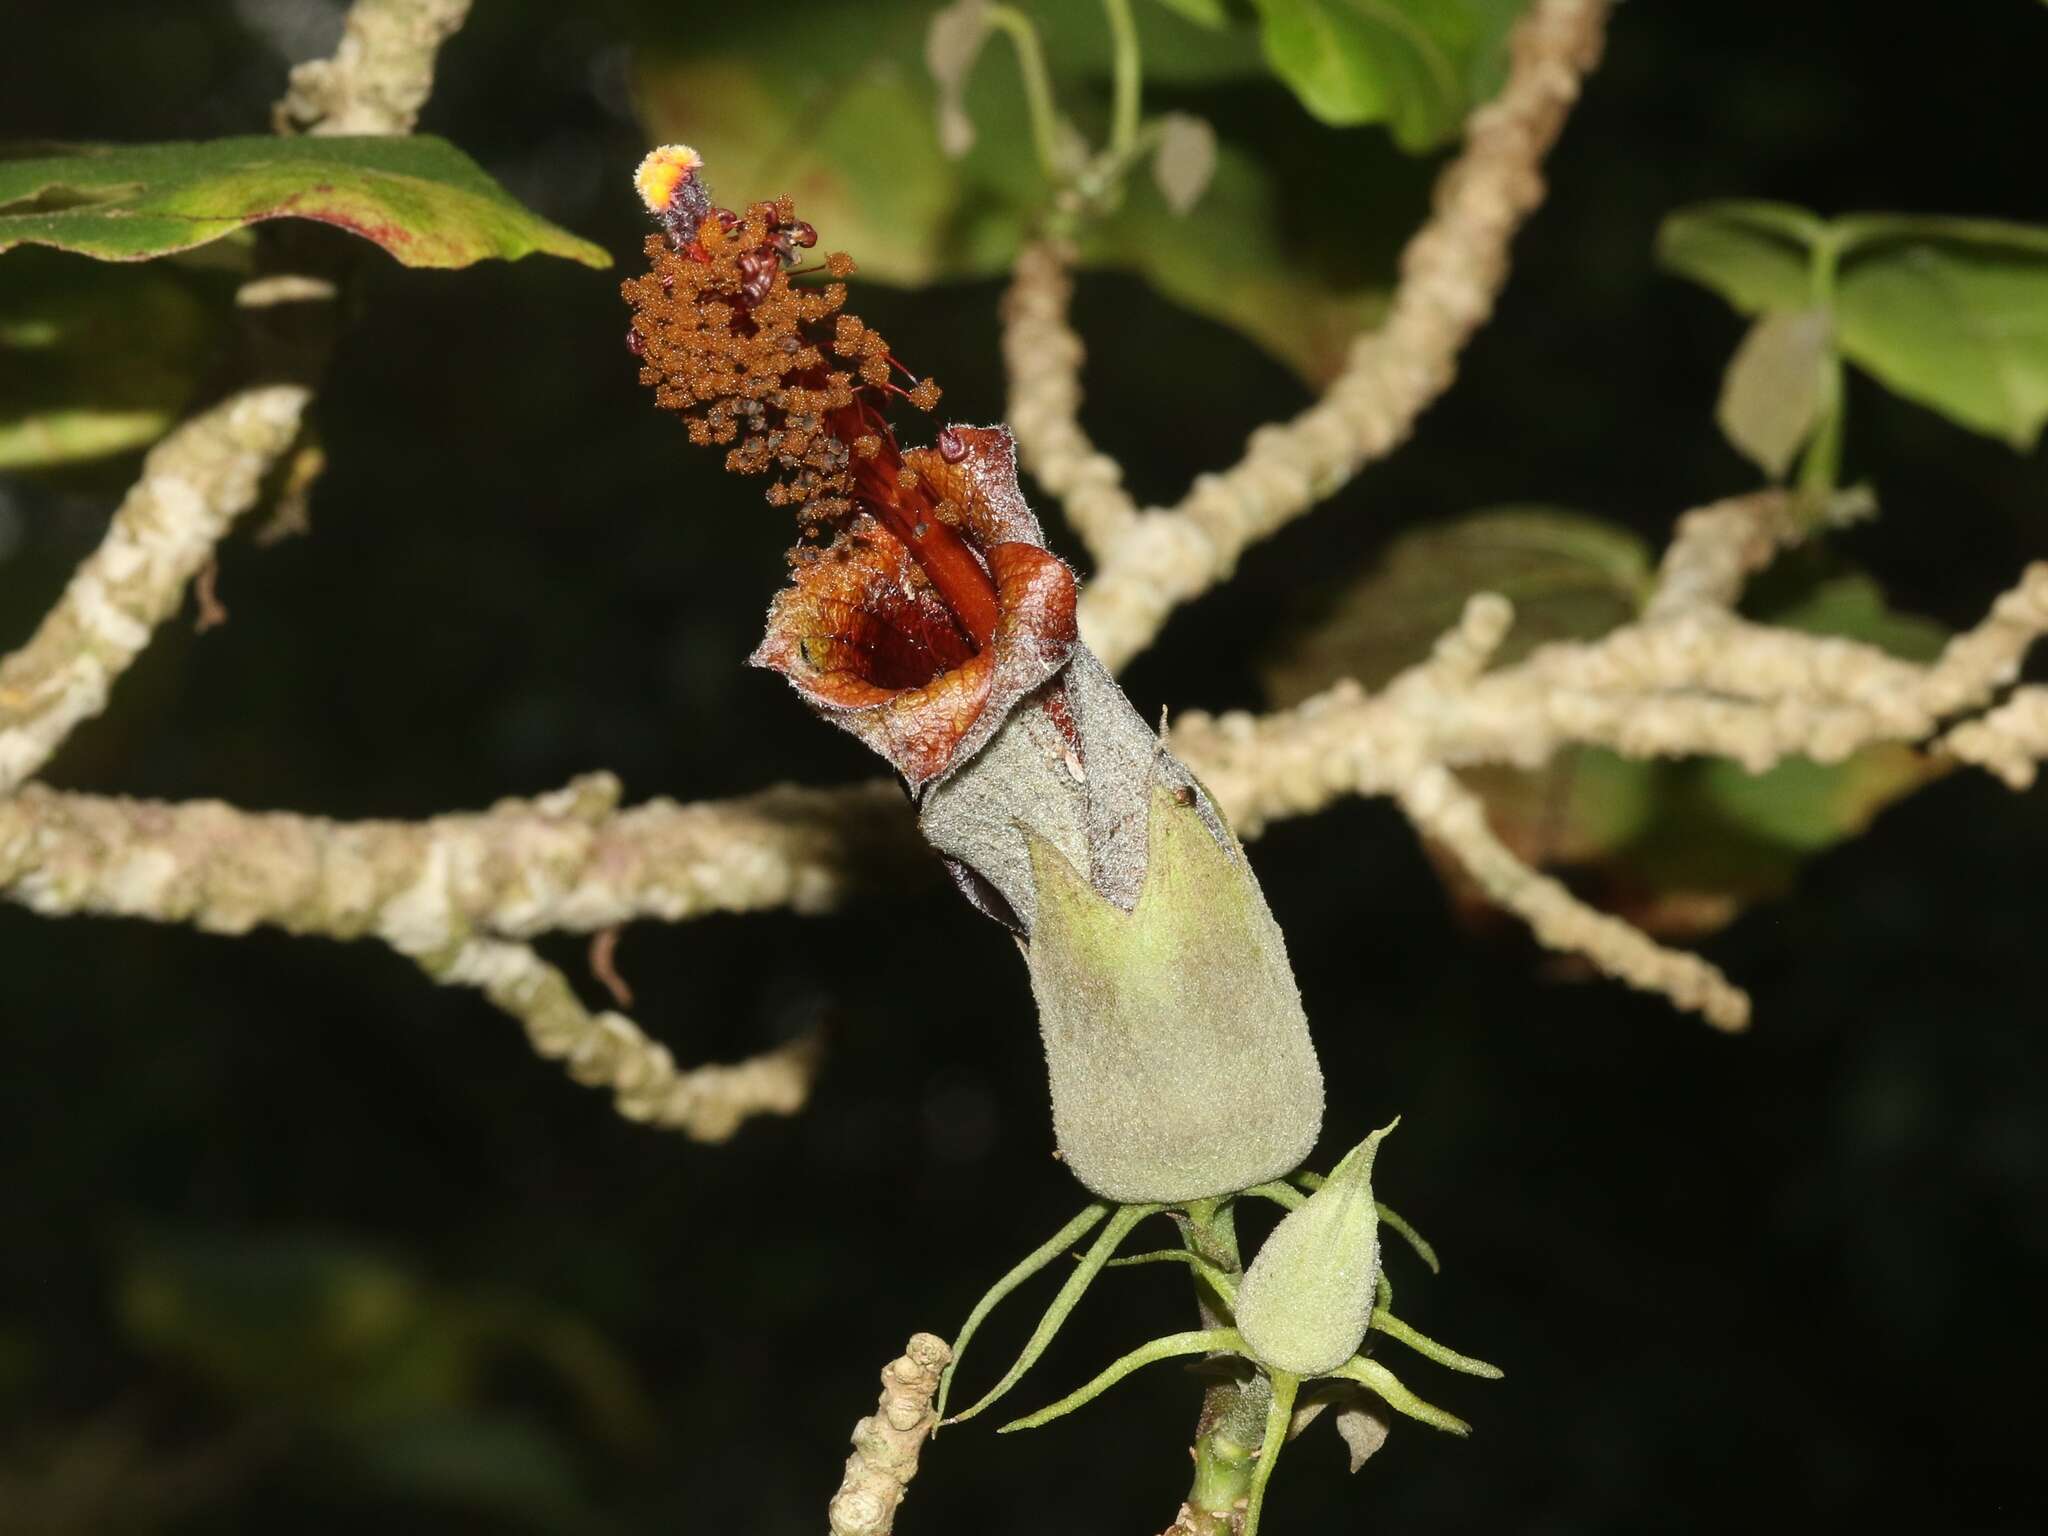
column 379, row 77
column 567, row 861
column 1150, row 562
column 462, row 894
column 887, row 1442
column 194, row 484
column 1697, row 682
column 608, row 1050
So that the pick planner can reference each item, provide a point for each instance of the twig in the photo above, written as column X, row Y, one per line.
column 1690, row 680
column 1451, row 272
column 1443, row 809
column 381, row 75
column 1715, row 549
column 2010, row 740
column 194, row 484
column 1043, row 355
column 886, row 1444
column 213, row 613
column 209, row 470
column 604, row 965
column 1700, row 684
column 608, row 1050
column 566, row 862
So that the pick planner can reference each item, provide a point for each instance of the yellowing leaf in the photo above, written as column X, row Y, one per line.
column 1771, row 395
column 1951, row 313
column 419, row 198
column 1185, row 161
column 849, row 127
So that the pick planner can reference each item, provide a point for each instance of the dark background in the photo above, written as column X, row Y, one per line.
column 288, row 1238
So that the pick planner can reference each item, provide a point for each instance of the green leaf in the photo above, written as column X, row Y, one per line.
column 97, row 360
column 331, row 1336
column 1365, row 61
column 1757, row 256
column 1807, row 806
column 421, row 199
column 1231, row 261
column 847, row 127
column 1771, row 395
column 1569, row 576
column 1678, row 848
column 1416, row 65
column 1853, row 606
column 1203, row 13
column 477, row 1461
column 1953, row 314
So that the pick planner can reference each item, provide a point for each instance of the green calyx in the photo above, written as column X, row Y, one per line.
column 1300, row 1312
column 1180, row 1060
column 1307, row 1299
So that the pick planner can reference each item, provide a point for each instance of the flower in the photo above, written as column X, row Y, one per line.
column 926, row 615
column 924, row 603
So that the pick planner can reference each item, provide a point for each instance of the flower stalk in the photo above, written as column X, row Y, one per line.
column 927, row 616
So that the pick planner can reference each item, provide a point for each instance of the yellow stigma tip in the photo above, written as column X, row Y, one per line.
column 664, row 170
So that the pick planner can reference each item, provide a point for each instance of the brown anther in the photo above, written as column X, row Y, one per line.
column 748, row 360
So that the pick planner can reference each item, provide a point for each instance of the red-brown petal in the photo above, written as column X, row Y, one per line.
column 864, row 638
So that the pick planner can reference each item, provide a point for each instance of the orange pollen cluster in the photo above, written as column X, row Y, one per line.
column 746, row 358
column 727, row 340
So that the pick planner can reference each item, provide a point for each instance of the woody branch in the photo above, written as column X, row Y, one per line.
column 168, row 862
column 462, row 894
column 1149, row 562
column 1689, row 679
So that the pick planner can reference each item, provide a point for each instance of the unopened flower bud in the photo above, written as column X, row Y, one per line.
column 1179, row 1054
column 1306, row 1302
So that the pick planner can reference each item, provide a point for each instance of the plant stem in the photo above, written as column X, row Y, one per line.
column 1123, row 29
column 1821, row 467
column 1234, row 1411
column 1023, row 37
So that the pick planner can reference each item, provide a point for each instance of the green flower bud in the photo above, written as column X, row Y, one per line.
column 1306, row 1301
column 1179, row 1054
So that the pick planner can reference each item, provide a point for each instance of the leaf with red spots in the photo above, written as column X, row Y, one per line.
column 420, row 198
column 865, row 638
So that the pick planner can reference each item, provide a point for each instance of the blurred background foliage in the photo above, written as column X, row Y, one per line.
column 291, row 1239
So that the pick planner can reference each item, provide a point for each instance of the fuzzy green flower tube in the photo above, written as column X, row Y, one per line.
column 1306, row 1302
column 1179, row 1055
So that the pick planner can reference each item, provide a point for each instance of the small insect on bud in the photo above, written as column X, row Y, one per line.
column 1306, row 1302
column 671, row 184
